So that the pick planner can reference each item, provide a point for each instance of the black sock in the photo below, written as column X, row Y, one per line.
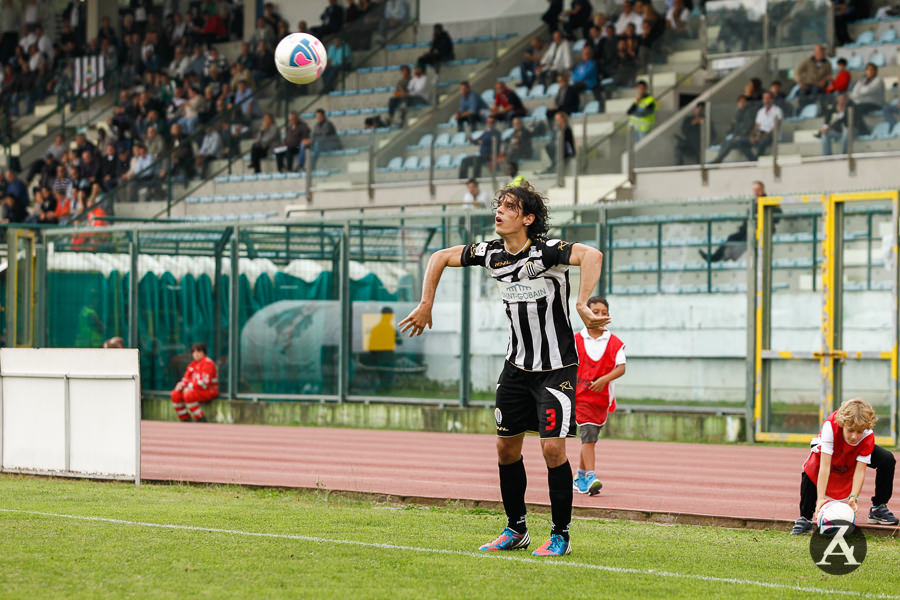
column 560, row 482
column 512, row 490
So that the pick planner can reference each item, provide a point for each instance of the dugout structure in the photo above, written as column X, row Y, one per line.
column 798, row 380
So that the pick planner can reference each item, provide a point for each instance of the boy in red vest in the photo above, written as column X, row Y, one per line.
column 836, row 466
column 601, row 360
column 199, row 384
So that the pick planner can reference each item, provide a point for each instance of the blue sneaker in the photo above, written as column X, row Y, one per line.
column 580, row 485
column 592, row 486
column 555, row 546
column 508, row 540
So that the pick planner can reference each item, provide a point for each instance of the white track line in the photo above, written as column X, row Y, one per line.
column 482, row 555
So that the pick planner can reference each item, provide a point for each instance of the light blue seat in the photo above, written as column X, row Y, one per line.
column 895, row 132
column 540, row 113
column 443, row 161
column 537, row 91
column 865, row 38
column 577, row 46
column 592, row 108
column 395, row 164
column 878, row 59
column 855, row 63
column 515, row 74
column 522, row 92
column 888, row 36
column 882, row 131
column 507, row 133
column 442, row 141
column 459, row 139
column 551, row 91
column 810, row 111
column 411, row 163
column 457, row 160
column 424, row 142
column 488, row 96
column 424, row 164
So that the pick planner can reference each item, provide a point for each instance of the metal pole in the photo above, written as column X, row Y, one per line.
column 629, row 154
column 829, row 29
column 370, row 179
column 704, row 142
column 851, row 133
column 308, row 174
column 344, row 300
column 134, row 256
column 496, row 54
column 775, row 168
column 432, row 190
column 560, row 157
column 137, row 426
column 233, row 311
column 766, row 30
column 67, row 415
column 41, row 290
column 493, row 165
column 650, row 78
column 750, row 368
column 704, row 42
column 465, row 371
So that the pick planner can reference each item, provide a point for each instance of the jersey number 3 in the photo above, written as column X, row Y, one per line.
column 551, row 419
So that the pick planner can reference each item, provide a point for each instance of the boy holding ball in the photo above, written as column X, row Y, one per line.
column 601, row 360
column 836, row 466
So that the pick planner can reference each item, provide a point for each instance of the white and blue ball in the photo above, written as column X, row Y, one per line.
column 834, row 513
column 300, row 58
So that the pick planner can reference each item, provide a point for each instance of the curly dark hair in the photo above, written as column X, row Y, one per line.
column 530, row 202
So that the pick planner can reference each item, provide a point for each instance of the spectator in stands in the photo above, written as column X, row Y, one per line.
column 415, row 95
column 199, row 384
column 181, row 154
column 88, row 169
column 441, row 49
column 781, row 100
column 340, row 60
column 210, row 149
column 627, row 17
column 626, row 65
column 678, row 20
column 868, row 92
column 475, row 197
column 566, row 100
column 244, row 101
column 518, row 146
column 642, row 112
column 324, row 138
column 141, row 169
column 585, row 77
column 271, row 16
column 551, row 15
column 154, row 143
column 114, row 342
column 753, row 89
column 109, row 172
column 396, row 14
column 297, row 131
column 269, row 137
column 332, row 20
column 507, row 104
column 562, row 124
column 47, row 208
column 16, row 188
column 488, row 144
column 836, row 127
column 841, row 81
column 653, row 25
column 471, row 106
column 46, row 168
column 768, row 118
column 9, row 23
column 263, row 63
column 687, row 142
column 578, row 18
column 263, row 33
column 812, row 75
column 556, row 59
column 531, row 59
column 13, row 212
column 738, row 135
column 845, row 12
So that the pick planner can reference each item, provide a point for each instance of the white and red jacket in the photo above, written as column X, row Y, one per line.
column 201, row 375
column 843, row 457
column 592, row 408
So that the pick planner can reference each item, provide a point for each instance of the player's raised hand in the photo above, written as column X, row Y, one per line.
column 416, row 321
column 597, row 385
column 591, row 320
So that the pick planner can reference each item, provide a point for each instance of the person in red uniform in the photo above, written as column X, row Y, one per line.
column 836, row 466
column 601, row 360
column 199, row 384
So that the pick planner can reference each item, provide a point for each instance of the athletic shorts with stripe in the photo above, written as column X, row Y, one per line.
column 538, row 401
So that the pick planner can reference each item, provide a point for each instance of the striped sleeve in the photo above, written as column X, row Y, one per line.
column 474, row 255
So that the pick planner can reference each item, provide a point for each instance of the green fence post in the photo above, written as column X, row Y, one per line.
column 234, row 309
column 465, row 368
column 134, row 280
column 41, row 291
column 346, row 314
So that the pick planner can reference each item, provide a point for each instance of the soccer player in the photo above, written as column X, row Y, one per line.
column 836, row 466
column 199, row 384
column 601, row 360
column 536, row 390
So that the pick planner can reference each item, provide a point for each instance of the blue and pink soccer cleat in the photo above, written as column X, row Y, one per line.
column 508, row 540
column 557, row 545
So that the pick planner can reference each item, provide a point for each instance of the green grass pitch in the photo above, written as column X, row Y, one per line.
column 234, row 542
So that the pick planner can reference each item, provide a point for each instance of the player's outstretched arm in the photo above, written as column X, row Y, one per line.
column 420, row 317
column 590, row 260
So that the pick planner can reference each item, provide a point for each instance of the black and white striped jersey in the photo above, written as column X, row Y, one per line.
column 534, row 286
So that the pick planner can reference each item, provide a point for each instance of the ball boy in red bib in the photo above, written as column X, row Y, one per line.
column 601, row 360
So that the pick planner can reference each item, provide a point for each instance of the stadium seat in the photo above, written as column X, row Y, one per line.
column 855, row 63
column 878, row 59
column 488, row 96
column 461, row 139
column 522, row 92
column 577, row 46
column 457, row 160
column 395, row 164
column 443, row 161
column 592, row 108
column 411, row 163
column 442, row 141
column 507, row 133
column 865, row 38
column 424, row 164
column 880, row 132
column 537, row 91
column 424, row 142
column 539, row 114
column 895, row 132
column 810, row 111
column 551, row 91
column 515, row 74
column 888, row 36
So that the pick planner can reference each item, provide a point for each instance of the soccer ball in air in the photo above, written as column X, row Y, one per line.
column 835, row 513
column 300, row 58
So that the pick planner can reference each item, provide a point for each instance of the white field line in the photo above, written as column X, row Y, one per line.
column 482, row 555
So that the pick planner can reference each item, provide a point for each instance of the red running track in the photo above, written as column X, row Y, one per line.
column 754, row 482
